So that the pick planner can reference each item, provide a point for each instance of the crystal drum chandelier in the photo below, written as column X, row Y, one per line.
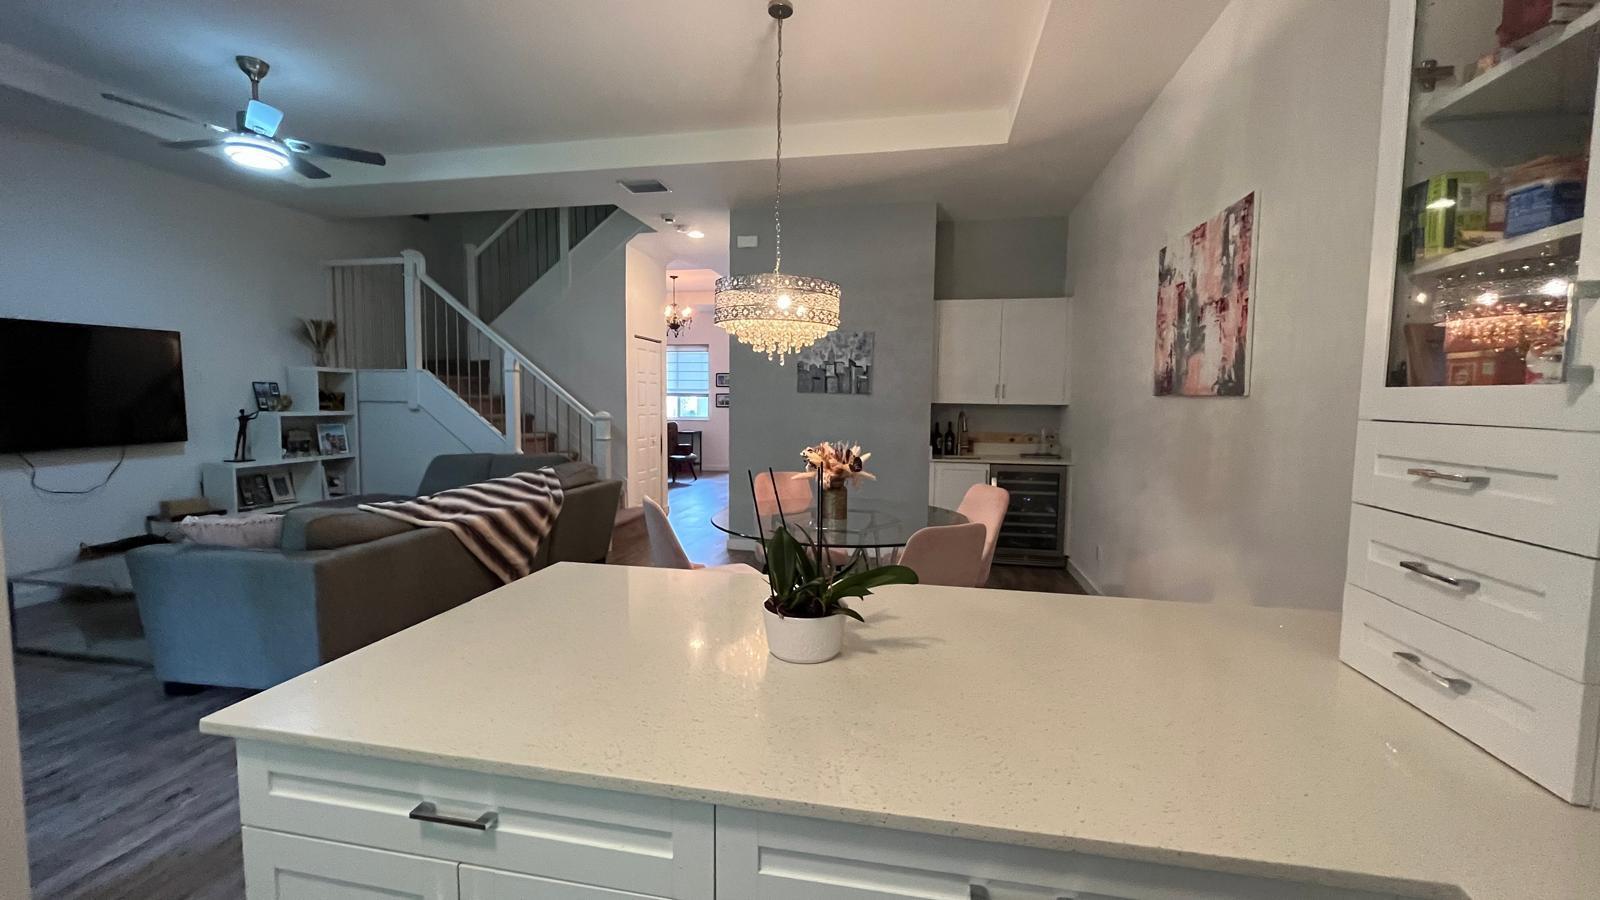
column 775, row 312
column 679, row 318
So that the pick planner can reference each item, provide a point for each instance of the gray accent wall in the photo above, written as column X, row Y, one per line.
column 882, row 258
column 978, row 260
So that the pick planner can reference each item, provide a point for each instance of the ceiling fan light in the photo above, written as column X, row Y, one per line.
column 251, row 152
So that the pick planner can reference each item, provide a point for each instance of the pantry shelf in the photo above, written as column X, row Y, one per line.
column 1524, row 246
column 1555, row 76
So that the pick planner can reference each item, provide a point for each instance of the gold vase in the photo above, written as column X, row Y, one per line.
column 835, row 506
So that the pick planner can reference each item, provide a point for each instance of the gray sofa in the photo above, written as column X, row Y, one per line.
column 340, row 579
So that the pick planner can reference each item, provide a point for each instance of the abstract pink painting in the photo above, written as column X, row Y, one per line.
column 1203, row 297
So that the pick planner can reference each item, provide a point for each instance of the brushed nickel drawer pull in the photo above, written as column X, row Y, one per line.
column 1421, row 568
column 1459, row 685
column 1455, row 477
column 428, row 812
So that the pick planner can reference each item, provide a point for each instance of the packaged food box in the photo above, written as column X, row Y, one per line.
column 1543, row 203
column 1455, row 203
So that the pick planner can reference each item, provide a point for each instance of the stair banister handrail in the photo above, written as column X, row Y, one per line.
column 474, row 251
column 601, row 420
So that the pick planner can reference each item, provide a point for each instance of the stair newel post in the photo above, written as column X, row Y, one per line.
column 511, row 388
column 470, row 253
column 412, row 267
column 602, row 443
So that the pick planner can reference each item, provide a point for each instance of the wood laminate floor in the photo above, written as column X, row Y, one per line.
column 128, row 801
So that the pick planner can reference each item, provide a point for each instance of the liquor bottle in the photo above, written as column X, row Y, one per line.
column 950, row 439
column 937, row 441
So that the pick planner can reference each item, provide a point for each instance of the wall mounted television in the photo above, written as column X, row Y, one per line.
column 65, row 385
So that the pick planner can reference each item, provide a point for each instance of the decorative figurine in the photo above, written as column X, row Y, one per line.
column 241, row 444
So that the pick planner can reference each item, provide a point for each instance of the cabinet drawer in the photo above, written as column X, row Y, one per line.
column 492, row 884
column 287, row 867
column 1539, row 723
column 1535, row 602
column 1537, row 486
column 763, row 856
column 628, row 842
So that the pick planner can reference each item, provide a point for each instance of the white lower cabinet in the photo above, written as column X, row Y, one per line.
column 330, row 826
column 491, row 884
column 763, row 856
column 948, row 481
column 289, row 867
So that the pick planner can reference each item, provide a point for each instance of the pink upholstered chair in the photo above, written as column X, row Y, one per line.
column 946, row 554
column 795, row 493
column 666, row 551
column 986, row 505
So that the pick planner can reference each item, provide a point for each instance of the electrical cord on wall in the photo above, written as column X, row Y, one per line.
column 33, row 477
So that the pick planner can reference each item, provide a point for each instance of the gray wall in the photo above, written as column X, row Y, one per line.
column 882, row 258
column 1001, row 258
column 1232, row 500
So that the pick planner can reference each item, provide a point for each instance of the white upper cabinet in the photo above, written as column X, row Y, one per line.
column 1003, row 351
column 1483, row 278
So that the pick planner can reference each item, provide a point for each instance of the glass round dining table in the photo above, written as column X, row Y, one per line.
column 870, row 524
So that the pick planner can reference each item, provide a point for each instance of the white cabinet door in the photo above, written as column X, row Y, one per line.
column 1034, row 352
column 285, row 867
column 967, row 369
column 951, row 480
column 492, row 884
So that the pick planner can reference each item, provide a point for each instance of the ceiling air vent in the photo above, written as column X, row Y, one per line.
column 645, row 186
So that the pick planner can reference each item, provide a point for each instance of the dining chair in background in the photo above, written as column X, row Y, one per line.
column 795, row 494
column 950, row 555
column 986, row 504
column 680, row 454
column 666, row 551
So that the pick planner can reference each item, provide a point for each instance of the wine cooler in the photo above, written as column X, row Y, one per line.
column 1034, row 532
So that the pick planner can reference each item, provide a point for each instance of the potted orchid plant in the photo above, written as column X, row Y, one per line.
column 805, row 613
column 837, row 466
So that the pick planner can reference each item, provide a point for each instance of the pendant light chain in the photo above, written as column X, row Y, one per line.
column 777, row 202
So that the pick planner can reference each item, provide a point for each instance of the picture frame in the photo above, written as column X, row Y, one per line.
column 268, row 395
column 722, row 379
column 332, row 439
column 254, row 490
column 723, row 400
column 280, row 486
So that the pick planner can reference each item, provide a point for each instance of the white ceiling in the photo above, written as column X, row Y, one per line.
column 995, row 108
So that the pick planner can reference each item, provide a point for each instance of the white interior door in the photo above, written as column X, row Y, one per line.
column 968, row 367
column 1033, row 352
column 285, row 867
column 647, row 457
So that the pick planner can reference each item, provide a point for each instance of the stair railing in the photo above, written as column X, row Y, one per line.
column 392, row 314
column 528, row 244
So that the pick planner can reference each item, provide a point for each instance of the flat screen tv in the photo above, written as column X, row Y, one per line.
column 65, row 385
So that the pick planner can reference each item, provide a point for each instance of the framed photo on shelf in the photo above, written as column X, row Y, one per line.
column 723, row 400
column 299, row 442
column 722, row 379
column 332, row 439
column 281, row 485
column 336, row 483
column 254, row 490
column 268, row 395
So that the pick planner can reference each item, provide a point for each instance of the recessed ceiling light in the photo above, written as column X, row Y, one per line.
column 252, row 152
column 695, row 233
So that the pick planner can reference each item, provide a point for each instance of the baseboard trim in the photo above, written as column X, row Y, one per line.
column 1082, row 579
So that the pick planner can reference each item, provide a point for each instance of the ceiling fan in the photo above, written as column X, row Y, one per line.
column 254, row 142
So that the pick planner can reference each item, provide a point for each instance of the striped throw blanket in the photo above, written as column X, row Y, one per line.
column 500, row 521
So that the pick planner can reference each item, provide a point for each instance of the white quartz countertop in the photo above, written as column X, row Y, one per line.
column 1210, row 736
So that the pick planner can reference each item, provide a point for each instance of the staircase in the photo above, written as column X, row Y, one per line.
column 393, row 316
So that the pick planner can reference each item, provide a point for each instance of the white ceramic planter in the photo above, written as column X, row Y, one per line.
column 804, row 640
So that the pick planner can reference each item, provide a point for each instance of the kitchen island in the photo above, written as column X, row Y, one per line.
column 601, row 733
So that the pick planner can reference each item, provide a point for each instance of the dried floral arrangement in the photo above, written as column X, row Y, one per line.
column 839, row 463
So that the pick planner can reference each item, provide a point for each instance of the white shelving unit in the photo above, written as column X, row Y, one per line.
column 1473, row 576
column 290, row 442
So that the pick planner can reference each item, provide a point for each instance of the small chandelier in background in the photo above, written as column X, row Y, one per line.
column 679, row 318
column 774, row 312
